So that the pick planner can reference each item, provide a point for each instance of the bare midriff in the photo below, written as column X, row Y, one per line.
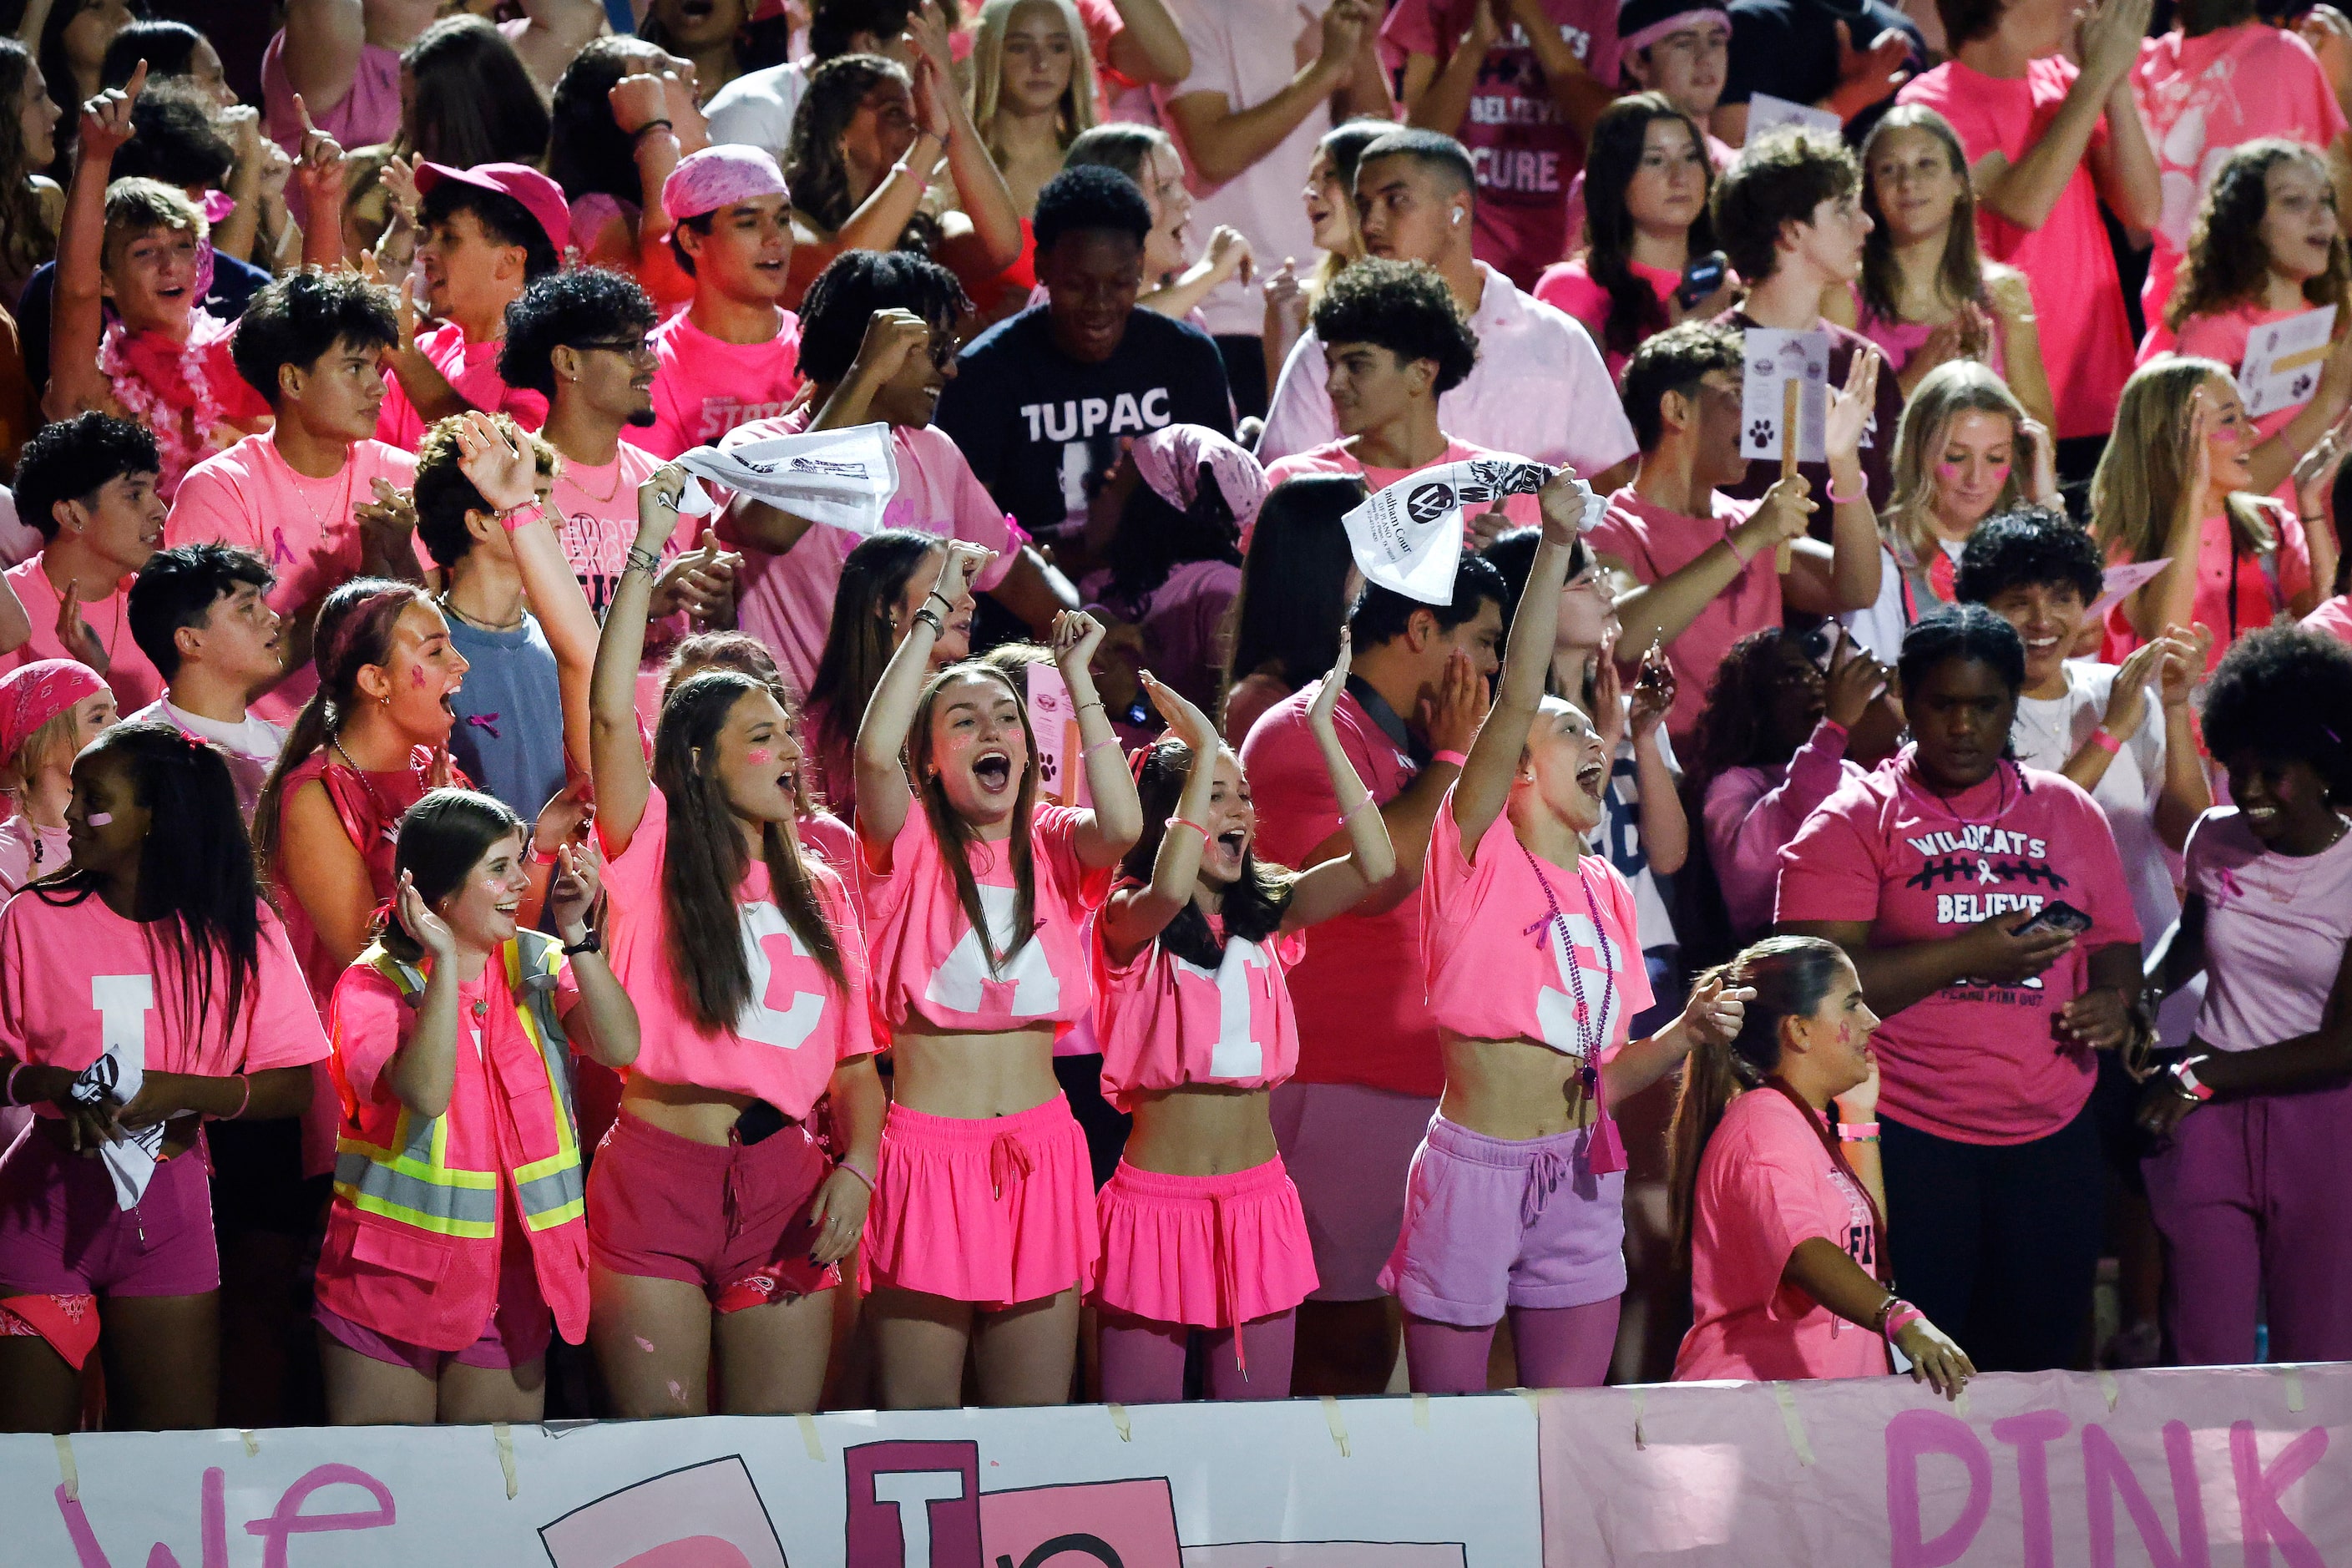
column 1514, row 1089
column 970, row 1076
column 1201, row 1129
column 684, row 1110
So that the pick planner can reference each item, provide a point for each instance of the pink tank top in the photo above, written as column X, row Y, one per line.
column 928, row 961
column 1898, row 341
column 1165, row 1022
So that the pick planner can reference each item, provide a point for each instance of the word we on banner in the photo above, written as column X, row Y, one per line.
column 2202, row 1467
column 1385, row 1483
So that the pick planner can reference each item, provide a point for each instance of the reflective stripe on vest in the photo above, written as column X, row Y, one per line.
column 413, row 1182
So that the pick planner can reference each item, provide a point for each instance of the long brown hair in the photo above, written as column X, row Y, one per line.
column 26, row 238
column 1959, row 274
column 1618, row 136
column 2144, row 475
column 1790, row 975
column 442, row 839
column 2227, row 264
column 954, row 836
column 1253, row 907
column 705, row 860
column 860, row 640
column 355, row 630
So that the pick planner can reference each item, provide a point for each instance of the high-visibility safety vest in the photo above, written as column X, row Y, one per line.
column 422, row 1194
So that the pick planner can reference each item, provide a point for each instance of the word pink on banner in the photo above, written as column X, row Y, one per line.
column 2209, row 1467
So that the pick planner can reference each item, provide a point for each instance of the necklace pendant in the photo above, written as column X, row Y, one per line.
column 481, row 1009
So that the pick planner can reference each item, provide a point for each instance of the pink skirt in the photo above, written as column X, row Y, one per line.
column 1212, row 1252
column 993, row 1211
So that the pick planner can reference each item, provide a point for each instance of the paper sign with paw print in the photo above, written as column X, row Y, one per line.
column 1773, row 358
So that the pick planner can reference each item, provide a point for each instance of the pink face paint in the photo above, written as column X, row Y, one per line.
column 760, row 755
column 101, row 819
column 677, row 1390
column 644, row 1344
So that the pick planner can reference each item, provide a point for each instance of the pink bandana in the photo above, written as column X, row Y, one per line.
column 718, row 178
column 1170, row 460
column 33, row 694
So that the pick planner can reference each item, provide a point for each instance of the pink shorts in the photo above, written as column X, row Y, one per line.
column 1348, row 1146
column 993, row 1211
column 1491, row 1223
column 730, row 1217
column 62, row 1233
column 517, row 1334
column 1212, row 1252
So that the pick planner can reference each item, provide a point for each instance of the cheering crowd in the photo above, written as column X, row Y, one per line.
column 500, row 923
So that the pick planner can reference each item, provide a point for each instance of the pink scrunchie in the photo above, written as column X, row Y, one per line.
column 1169, row 459
column 33, row 694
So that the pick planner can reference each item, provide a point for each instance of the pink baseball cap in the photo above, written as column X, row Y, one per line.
column 1170, row 460
column 33, row 694
column 720, row 176
column 539, row 195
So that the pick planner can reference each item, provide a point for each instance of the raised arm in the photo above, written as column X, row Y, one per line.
column 556, row 32
column 1845, row 576
column 891, row 337
column 1334, row 887
column 885, row 795
column 423, row 1070
column 1109, row 830
column 616, row 755
column 1665, row 609
column 78, row 317
column 1494, row 760
column 1437, row 93
column 2027, row 191
column 1134, row 916
column 1220, row 140
column 323, row 40
column 1149, row 48
column 321, row 172
column 602, row 1024
column 979, row 185
column 2187, row 793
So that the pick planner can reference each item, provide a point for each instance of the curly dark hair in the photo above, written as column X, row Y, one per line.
column 299, row 318
column 176, row 140
column 1253, row 907
column 2284, row 694
column 1087, row 198
column 1676, row 360
column 1733, row 729
column 813, row 165
column 2227, row 263
column 178, row 587
column 853, row 287
column 1635, row 312
column 1779, row 177
column 565, row 310
column 2028, row 546
column 74, row 458
column 1404, row 306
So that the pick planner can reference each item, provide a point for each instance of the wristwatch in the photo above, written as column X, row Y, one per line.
column 593, row 942
column 2186, row 1083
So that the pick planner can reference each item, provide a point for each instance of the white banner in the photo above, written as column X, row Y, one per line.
column 1766, row 112
column 1408, row 537
column 845, row 478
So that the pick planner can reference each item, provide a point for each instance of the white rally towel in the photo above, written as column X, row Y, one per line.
column 845, row 478
column 116, row 1075
column 1408, row 537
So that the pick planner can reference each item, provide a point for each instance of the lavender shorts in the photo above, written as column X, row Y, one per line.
column 1490, row 1222
column 62, row 1233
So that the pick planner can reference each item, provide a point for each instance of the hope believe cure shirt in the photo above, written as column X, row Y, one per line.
column 1976, row 1062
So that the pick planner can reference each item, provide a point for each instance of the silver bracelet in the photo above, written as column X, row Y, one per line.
column 642, row 560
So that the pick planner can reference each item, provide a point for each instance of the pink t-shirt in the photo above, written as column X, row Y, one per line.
column 1334, row 457
column 796, row 1028
column 1570, row 287
column 1360, row 1019
column 1500, row 966
column 29, row 853
column 2264, row 587
column 2085, row 335
column 1654, row 544
column 134, row 681
column 472, row 372
column 1752, row 811
column 786, row 601
column 249, row 495
column 929, row 965
column 1898, row 341
column 705, row 387
column 1165, row 1022
column 2334, row 617
column 1767, row 1185
column 366, row 115
column 1524, row 150
column 1976, row 1062
column 74, row 976
column 2275, row 931
column 2203, row 97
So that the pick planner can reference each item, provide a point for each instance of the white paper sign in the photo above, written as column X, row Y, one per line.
column 1773, row 358
column 845, row 478
column 2119, row 581
column 1408, row 537
column 1061, row 755
column 1766, row 112
column 2281, row 368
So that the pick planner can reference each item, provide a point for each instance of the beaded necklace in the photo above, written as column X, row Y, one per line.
column 1592, row 1029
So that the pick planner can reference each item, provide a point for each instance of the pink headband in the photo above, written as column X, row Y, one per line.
column 720, row 176
column 33, row 694
column 1169, row 460
column 1674, row 24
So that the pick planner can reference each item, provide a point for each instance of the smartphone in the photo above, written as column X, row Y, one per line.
column 2055, row 915
column 1702, row 276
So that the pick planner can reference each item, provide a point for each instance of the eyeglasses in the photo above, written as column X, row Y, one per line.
column 631, row 348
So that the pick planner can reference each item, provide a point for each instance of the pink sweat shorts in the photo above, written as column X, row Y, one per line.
column 1491, row 1223
column 730, row 1217
column 1208, row 1251
column 62, row 1233
column 993, row 1211
column 517, row 1334
column 1348, row 1147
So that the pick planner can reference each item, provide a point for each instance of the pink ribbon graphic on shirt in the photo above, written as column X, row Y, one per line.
column 484, row 721
column 278, row 549
column 2230, row 887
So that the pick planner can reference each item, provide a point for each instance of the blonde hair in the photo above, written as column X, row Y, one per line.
column 2143, row 477
column 41, row 749
column 1944, row 394
column 1076, row 113
column 137, row 206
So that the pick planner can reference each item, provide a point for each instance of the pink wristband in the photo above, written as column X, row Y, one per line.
column 514, row 517
column 1858, row 1132
column 843, row 1163
column 1831, row 490
column 1901, row 1319
column 2105, row 741
column 1733, row 545
column 1188, row 822
column 9, row 1091
column 1451, row 759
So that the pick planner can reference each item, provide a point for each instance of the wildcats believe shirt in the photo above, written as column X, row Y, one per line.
column 1978, row 1061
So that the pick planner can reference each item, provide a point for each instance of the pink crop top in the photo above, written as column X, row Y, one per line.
column 1165, row 1022
column 928, row 961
